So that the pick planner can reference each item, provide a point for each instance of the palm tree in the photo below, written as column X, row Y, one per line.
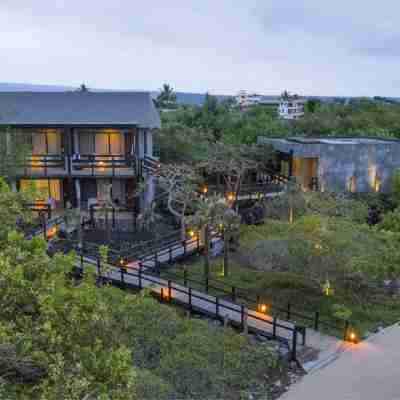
column 167, row 97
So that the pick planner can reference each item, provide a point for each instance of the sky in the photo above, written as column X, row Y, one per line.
column 309, row 47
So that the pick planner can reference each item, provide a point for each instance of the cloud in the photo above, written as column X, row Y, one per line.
column 338, row 48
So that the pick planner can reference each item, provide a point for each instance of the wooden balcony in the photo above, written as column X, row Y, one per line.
column 44, row 165
column 103, row 165
column 78, row 165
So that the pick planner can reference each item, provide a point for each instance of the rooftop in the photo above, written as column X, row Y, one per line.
column 78, row 108
column 329, row 140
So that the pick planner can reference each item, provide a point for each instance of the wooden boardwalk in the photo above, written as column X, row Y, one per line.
column 237, row 315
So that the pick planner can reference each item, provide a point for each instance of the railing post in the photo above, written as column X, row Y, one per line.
column 294, row 344
column 190, row 299
column 288, row 311
column 156, row 263
column 233, row 293
column 346, row 329
column 113, row 217
column 198, row 243
column 274, row 328
column 242, row 316
column 184, row 248
column 140, row 276
column 162, row 294
column 81, row 261
column 122, row 271
column 185, row 277
column 316, row 320
column 169, row 290
column 258, row 302
column 206, row 284
column 170, row 254
column 217, row 306
column 98, row 267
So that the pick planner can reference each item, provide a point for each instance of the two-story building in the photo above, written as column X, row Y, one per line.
column 83, row 143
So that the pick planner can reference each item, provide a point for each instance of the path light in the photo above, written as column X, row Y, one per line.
column 205, row 190
column 192, row 234
column 51, row 232
column 231, row 197
column 263, row 308
column 353, row 337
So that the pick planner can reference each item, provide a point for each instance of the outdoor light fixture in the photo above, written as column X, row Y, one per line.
column 51, row 232
column 205, row 189
column 263, row 308
column 192, row 234
column 231, row 197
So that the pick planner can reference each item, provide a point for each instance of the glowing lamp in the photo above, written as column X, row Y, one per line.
column 51, row 232
column 231, row 197
column 205, row 189
column 263, row 308
column 192, row 234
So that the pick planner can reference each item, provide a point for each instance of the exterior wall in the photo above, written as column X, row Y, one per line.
column 339, row 162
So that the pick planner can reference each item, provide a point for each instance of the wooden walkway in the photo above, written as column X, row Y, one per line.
column 237, row 315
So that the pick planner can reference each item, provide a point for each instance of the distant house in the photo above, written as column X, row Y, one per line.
column 338, row 164
column 245, row 99
column 83, row 143
column 291, row 107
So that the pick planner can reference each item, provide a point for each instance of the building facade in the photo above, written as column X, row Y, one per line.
column 84, row 145
column 338, row 164
column 291, row 108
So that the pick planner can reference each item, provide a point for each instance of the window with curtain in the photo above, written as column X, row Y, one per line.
column 101, row 143
column 53, row 142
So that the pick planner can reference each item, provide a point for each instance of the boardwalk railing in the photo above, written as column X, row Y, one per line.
column 288, row 311
column 238, row 315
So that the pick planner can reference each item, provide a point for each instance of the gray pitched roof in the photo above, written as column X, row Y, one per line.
column 78, row 108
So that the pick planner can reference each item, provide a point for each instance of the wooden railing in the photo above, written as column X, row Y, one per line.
column 43, row 164
column 95, row 165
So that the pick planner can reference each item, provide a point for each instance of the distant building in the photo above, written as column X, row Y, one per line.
column 245, row 99
column 338, row 164
column 291, row 107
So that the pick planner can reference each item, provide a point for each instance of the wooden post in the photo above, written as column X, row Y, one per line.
column 288, row 310
column 81, row 261
column 184, row 248
column 170, row 254
column 185, row 277
column 346, row 329
column 169, row 290
column 198, row 242
column 98, row 267
column 206, row 284
column 242, row 316
column 258, row 302
column 294, row 344
column 217, row 306
column 274, row 328
column 140, row 276
column 190, row 299
column 233, row 293
column 162, row 294
column 122, row 271
column 316, row 320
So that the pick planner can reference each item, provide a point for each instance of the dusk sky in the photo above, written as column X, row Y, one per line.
column 311, row 47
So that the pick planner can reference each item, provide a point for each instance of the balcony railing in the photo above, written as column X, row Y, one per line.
column 103, row 165
column 44, row 165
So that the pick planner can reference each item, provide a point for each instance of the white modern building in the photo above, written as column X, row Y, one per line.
column 291, row 107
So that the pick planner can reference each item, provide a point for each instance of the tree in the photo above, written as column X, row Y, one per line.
column 14, row 151
column 166, row 98
column 179, row 182
column 233, row 162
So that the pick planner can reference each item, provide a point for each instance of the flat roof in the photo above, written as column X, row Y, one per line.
column 330, row 140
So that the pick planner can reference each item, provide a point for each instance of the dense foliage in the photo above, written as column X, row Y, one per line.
column 189, row 127
column 63, row 339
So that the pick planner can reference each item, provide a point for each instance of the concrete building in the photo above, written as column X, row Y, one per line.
column 83, row 143
column 338, row 164
column 291, row 107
